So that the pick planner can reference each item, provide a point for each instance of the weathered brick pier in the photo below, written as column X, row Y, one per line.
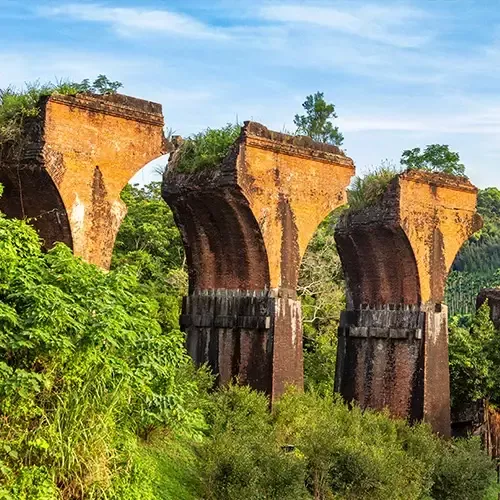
column 393, row 337
column 246, row 226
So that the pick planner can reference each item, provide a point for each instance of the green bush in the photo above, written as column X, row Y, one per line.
column 207, row 149
column 352, row 454
column 85, row 367
column 463, row 471
column 332, row 451
column 240, row 457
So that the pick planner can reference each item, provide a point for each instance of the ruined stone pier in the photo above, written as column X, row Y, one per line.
column 67, row 172
column 393, row 337
column 245, row 227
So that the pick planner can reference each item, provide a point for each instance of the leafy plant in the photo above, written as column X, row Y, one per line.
column 206, row 150
column 101, row 85
column 85, row 368
column 241, row 457
column 322, row 292
column 474, row 359
column 463, row 471
column 350, row 454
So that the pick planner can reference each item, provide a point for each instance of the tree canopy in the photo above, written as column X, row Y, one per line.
column 317, row 120
column 435, row 158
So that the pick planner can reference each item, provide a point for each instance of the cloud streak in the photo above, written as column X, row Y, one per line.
column 129, row 20
column 385, row 24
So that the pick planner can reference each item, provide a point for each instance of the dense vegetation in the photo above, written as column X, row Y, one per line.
column 99, row 399
column 206, row 150
column 477, row 265
column 86, row 366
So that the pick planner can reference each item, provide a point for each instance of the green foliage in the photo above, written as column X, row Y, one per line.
column 435, row 158
column 481, row 254
column 16, row 105
column 314, row 446
column 149, row 241
column 463, row 471
column 207, row 149
column 172, row 466
column 350, row 454
column 463, row 287
column 241, row 457
column 101, row 85
column 474, row 347
column 369, row 190
column 322, row 293
column 85, row 367
column 316, row 123
column 477, row 265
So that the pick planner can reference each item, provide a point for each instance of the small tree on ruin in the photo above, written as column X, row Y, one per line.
column 434, row 158
column 317, row 122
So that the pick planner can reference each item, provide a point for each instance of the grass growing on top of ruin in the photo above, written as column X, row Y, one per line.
column 18, row 104
column 207, row 149
column 368, row 190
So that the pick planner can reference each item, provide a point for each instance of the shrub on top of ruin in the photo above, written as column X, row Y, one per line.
column 368, row 190
column 206, row 149
column 436, row 158
column 18, row 104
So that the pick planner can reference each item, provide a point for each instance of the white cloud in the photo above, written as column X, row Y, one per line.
column 387, row 24
column 129, row 20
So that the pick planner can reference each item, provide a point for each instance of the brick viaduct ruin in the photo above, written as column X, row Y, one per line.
column 74, row 160
column 245, row 228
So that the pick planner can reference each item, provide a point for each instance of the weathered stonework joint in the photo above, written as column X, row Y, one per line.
column 228, row 309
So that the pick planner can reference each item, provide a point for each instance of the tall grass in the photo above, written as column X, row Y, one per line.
column 369, row 189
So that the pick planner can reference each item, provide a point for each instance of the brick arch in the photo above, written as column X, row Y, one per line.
column 30, row 193
column 73, row 161
column 223, row 242
column 379, row 266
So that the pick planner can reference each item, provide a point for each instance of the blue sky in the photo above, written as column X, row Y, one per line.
column 401, row 74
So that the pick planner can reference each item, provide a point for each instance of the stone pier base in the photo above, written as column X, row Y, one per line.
column 253, row 337
column 396, row 358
